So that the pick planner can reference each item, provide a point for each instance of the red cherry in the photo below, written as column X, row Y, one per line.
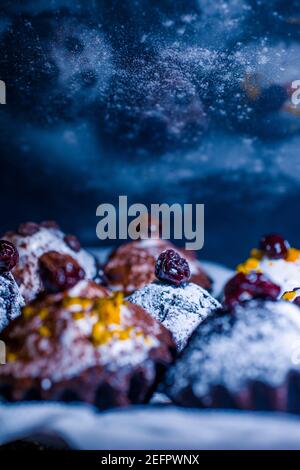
column 243, row 287
column 9, row 256
column 274, row 246
column 59, row 272
column 170, row 267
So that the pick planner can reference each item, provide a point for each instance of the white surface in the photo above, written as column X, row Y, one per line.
column 181, row 309
column 150, row 427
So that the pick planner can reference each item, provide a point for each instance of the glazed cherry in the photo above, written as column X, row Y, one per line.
column 59, row 272
column 9, row 256
column 72, row 242
column 171, row 267
column 243, row 287
column 274, row 246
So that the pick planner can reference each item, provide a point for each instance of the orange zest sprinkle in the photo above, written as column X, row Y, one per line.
column 44, row 331
column 251, row 264
column 257, row 254
column 292, row 255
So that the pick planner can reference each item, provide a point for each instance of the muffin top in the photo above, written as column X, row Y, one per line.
column 32, row 241
column 11, row 300
column 61, row 335
column 179, row 308
column 258, row 341
column 177, row 303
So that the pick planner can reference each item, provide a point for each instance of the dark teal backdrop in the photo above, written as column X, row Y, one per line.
column 165, row 101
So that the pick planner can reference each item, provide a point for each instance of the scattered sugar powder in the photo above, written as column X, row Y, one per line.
column 113, row 354
column 259, row 341
column 180, row 309
column 11, row 300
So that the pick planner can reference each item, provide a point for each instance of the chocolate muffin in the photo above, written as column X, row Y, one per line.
column 245, row 356
column 131, row 266
column 32, row 241
column 11, row 300
column 81, row 345
column 178, row 304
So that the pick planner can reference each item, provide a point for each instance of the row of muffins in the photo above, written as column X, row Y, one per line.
column 73, row 335
column 76, row 337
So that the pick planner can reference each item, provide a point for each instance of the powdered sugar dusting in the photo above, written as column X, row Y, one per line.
column 11, row 300
column 180, row 309
column 284, row 273
column 113, row 354
column 259, row 341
